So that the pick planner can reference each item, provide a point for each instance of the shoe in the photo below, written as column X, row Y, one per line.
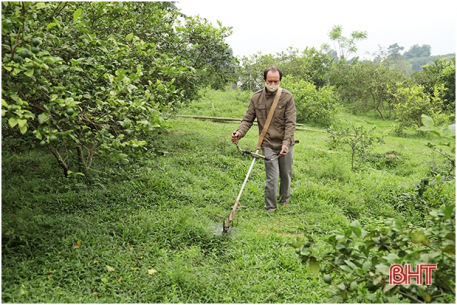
column 270, row 210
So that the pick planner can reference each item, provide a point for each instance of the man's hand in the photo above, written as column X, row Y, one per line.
column 235, row 136
column 284, row 151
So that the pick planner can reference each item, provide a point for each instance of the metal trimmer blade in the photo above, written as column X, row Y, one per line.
column 225, row 227
column 230, row 218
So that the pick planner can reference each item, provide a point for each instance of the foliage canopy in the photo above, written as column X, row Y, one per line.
column 100, row 77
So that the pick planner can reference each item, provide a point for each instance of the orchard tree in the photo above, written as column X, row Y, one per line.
column 251, row 70
column 309, row 65
column 367, row 86
column 440, row 72
column 102, row 77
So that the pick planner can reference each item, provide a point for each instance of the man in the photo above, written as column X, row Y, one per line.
column 279, row 139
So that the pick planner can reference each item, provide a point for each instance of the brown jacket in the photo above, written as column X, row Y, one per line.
column 282, row 126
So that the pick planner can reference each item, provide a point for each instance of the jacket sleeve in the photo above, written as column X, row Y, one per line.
column 291, row 120
column 248, row 119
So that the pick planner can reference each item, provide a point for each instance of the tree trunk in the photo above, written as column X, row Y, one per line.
column 81, row 165
column 60, row 160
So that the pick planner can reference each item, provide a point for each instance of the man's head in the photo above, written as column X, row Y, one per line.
column 272, row 69
column 272, row 77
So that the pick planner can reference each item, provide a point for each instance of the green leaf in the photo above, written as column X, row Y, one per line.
column 357, row 231
column 29, row 72
column 449, row 249
column 450, row 236
column 77, row 14
column 44, row 117
column 366, row 265
column 15, row 97
column 392, row 258
column 449, row 211
column 314, row 266
column 4, row 103
column 377, row 280
column 383, row 269
column 23, row 129
column 12, row 122
column 387, row 288
column 341, row 286
column 51, row 25
column 21, row 123
column 420, row 238
column 129, row 37
column 351, row 264
column 40, row 5
column 346, row 268
column 428, row 257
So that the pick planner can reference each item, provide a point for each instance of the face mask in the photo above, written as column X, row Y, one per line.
column 271, row 88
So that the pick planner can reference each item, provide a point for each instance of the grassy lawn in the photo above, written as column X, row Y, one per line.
column 150, row 231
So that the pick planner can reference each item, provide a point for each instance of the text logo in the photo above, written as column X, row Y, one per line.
column 402, row 275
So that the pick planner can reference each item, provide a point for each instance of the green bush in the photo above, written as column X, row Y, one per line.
column 414, row 102
column 318, row 105
column 361, row 142
column 356, row 264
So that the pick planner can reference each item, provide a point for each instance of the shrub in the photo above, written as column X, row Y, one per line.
column 361, row 142
column 319, row 105
column 357, row 263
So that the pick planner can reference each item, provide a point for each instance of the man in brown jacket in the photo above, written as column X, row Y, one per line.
column 279, row 138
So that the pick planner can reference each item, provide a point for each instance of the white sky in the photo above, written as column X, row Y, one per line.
column 271, row 26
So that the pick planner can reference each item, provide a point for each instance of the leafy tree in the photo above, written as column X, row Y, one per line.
column 99, row 78
column 366, row 85
column 440, row 72
column 394, row 50
column 413, row 102
column 251, row 70
column 418, row 51
column 309, row 65
column 344, row 46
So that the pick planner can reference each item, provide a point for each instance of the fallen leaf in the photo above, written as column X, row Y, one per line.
column 95, row 262
column 119, row 279
column 78, row 244
column 49, row 276
column 110, row 269
column 95, row 293
column 152, row 271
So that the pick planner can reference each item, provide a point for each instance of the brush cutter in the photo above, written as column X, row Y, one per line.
column 256, row 156
column 236, row 205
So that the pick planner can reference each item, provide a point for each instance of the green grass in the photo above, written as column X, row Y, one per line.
column 165, row 214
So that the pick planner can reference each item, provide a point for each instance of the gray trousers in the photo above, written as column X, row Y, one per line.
column 279, row 168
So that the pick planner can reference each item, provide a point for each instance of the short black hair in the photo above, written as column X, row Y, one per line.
column 273, row 69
